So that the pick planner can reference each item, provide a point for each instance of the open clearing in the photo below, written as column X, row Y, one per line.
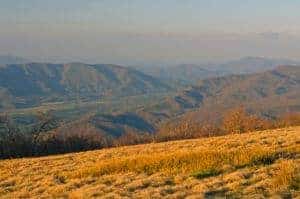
column 254, row 165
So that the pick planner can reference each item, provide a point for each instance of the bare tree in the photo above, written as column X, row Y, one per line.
column 46, row 122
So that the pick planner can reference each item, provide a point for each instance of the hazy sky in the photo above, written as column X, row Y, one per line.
column 149, row 31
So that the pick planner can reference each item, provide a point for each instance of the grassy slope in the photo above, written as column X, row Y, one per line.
column 259, row 164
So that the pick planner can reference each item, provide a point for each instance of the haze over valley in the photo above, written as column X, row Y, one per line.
column 149, row 99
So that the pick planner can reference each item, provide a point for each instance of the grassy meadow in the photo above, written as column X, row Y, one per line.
column 253, row 165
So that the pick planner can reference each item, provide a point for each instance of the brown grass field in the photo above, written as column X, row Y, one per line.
column 263, row 164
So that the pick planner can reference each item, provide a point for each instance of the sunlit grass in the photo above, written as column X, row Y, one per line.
column 286, row 175
column 181, row 162
column 260, row 164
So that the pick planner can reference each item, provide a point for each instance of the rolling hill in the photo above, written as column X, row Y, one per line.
column 254, row 165
column 25, row 85
column 267, row 92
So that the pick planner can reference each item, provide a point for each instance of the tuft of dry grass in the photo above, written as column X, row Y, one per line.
column 258, row 165
column 286, row 175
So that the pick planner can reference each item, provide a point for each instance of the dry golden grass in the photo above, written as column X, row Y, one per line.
column 254, row 165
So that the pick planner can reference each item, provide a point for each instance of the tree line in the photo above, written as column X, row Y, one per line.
column 48, row 136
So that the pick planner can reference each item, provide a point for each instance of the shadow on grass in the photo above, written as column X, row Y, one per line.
column 268, row 159
column 206, row 173
column 264, row 160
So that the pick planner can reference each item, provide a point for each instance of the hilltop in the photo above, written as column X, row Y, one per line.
column 258, row 165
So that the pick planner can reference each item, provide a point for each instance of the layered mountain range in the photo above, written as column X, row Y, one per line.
column 107, row 91
column 268, row 94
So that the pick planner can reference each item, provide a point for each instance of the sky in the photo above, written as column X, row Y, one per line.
column 134, row 32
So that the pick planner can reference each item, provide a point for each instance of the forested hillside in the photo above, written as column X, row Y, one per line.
column 27, row 85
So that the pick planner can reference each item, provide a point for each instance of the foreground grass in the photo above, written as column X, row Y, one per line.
column 186, row 162
column 259, row 164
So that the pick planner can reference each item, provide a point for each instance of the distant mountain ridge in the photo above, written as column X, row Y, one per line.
column 248, row 65
column 29, row 84
column 192, row 73
column 10, row 59
column 185, row 73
